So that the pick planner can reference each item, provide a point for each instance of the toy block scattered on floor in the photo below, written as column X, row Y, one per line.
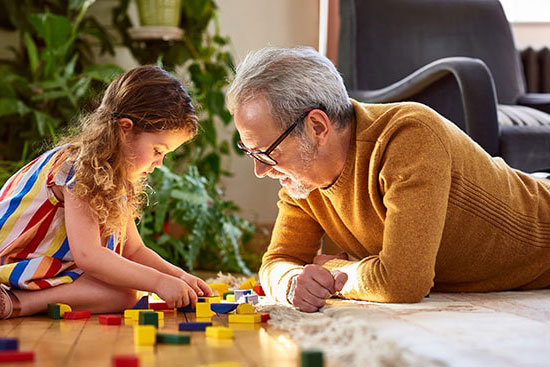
column 173, row 339
column 219, row 332
column 258, row 289
column 142, row 304
column 188, row 308
column 77, row 315
column 158, row 306
column 226, row 294
column 149, row 318
column 219, row 289
column 245, row 308
column 16, row 356
column 125, row 361
column 264, row 317
column 145, row 335
column 193, row 326
column 311, row 358
column 212, row 299
column 251, row 298
column 9, row 344
column 160, row 315
column 132, row 314
column 203, row 310
column 110, row 320
column 223, row 307
column 248, row 284
column 240, row 293
column 245, row 319
column 57, row 310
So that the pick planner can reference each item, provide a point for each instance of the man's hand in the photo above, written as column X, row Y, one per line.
column 321, row 259
column 315, row 285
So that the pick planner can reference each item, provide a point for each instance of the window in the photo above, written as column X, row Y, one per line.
column 529, row 11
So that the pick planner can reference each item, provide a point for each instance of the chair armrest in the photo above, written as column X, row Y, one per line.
column 539, row 101
column 477, row 89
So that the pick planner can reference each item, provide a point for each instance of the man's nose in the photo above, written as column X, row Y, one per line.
column 260, row 169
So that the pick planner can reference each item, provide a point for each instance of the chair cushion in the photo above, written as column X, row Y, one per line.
column 522, row 116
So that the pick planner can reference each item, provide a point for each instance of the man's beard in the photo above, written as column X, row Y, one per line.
column 298, row 190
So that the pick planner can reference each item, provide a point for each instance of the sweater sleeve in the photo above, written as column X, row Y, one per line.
column 414, row 177
column 294, row 243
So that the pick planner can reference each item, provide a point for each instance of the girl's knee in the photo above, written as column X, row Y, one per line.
column 126, row 298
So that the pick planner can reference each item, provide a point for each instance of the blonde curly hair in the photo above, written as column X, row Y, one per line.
column 155, row 101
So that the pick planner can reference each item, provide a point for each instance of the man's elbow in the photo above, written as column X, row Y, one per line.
column 405, row 293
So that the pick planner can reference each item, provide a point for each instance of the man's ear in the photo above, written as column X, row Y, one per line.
column 320, row 126
column 125, row 124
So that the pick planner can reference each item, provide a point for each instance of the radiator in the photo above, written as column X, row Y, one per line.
column 536, row 66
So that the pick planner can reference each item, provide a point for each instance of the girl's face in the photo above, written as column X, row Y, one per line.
column 147, row 149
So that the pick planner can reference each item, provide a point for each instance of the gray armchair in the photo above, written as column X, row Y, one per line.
column 456, row 56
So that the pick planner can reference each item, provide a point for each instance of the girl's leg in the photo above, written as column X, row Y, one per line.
column 85, row 293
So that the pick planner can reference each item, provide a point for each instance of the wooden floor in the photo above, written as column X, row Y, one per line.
column 79, row 343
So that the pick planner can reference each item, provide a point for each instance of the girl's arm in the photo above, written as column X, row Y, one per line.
column 106, row 265
column 135, row 250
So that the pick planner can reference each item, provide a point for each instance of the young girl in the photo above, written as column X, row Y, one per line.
column 67, row 219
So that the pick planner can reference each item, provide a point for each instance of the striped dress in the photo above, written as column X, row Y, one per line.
column 34, row 249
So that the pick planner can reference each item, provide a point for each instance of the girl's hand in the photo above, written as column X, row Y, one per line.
column 197, row 284
column 175, row 292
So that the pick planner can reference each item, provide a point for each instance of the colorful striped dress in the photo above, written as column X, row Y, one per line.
column 34, row 249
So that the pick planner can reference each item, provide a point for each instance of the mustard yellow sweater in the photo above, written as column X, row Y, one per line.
column 423, row 207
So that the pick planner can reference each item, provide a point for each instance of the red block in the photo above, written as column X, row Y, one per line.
column 76, row 315
column 13, row 356
column 264, row 317
column 125, row 361
column 110, row 320
column 258, row 290
column 158, row 306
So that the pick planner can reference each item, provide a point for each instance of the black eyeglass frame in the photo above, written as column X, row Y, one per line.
column 259, row 155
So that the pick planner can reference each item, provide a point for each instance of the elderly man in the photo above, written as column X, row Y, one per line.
column 414, row 200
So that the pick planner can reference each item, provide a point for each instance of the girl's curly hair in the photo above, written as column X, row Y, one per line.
column 155, row 101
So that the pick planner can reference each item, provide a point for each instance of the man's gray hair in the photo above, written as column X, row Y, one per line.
column 294, row 81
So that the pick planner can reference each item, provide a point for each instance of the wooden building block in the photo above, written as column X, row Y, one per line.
column 240, row 293
column 251, row 298
column 77, row 315
column 64, row 308
column 219, row 289
column 16, row 356
column 110, row 320
column 223, row 307
column 245, row 319
column 248, row 284
column 132, row 314
column 311, row 358
column 54, row 311
column 125, row 361
column 142, row 304
column 9, row 344
column 193, row 326
column 145, row 335
column 258, row 289
column 226, row 294
column 230, row 298
column 203, row 310
column 149, row 318
column 264, row 317
column 219, row 332
column 188, row 308
column 173, row 338
column 245, row 308
column 213, row 299
column 158, row 306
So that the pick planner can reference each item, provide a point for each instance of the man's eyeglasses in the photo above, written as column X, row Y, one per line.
column 264, row 156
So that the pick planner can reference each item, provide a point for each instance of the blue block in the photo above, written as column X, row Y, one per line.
column 241, row 293
column 223, row 307
column 9, row 344
column 188, row 308
column 194, row 326
column 142, row 304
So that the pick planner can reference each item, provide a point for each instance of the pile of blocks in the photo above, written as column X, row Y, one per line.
column 9, row 351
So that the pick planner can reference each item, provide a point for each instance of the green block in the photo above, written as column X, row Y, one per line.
column 149, row 318
column 226, row 293
column 312, row 358
column 173, row 339
column 54, row 311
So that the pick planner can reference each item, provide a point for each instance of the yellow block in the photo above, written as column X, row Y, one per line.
column 230, row 298
column 211, row 299
column 63, row 308
column 203, row 310
column 248, row 284
column 219, row 288
column 245, row 308
column 132, row 314
column 245, row 319
column 145, row 335
column 220, row 332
